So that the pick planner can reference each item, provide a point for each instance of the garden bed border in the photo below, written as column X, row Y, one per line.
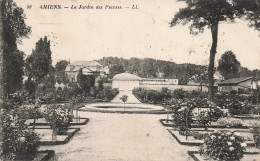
column 249, row 144
column 192, row 154
column 183, row 143
column 67, row 139
column 72, row 124
column 166, row 125
column 126, row 112
column 48, row 156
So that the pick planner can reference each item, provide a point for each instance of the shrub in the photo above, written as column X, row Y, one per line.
column 59, row 118
column 179, row 93
column 183, row 119
column 19, row 143
column 222, row 145
column 256, row 134
column 196, row 135
column 215, row 113
column 256, row 109
column 229, row 121
column 204, row 119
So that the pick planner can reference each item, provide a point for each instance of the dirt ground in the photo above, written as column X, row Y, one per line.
column 122, row 137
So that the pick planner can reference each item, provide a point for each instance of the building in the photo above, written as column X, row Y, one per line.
column 236, row 84
column 218, row 76
column 125, row 81
column 158, row 81
column 88, row 68
column 256, row 84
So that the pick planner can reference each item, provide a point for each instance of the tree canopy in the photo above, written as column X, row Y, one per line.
column 85, row 81
column 60, row 71
column 14, row 29
column 228, row 65
column 39, row 63
column 201, row 14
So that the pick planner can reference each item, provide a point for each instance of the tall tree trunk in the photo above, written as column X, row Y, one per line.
column 213, row 51
column 1, row 78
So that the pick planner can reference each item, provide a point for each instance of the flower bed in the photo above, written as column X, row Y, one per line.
column 230, row 122
column 47, row 137
column 195, row 136
column 222, row 145
column 248, row 156
column 59, row 118
column 74, row 122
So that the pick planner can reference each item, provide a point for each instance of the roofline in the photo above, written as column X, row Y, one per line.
column 246, row 78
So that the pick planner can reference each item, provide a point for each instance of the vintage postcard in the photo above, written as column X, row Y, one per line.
column 130, row 80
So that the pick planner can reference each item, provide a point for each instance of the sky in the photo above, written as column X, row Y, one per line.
column 89, row 34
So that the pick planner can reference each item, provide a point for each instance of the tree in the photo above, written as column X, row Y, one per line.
column 204, row 13
column 201, row 76
column 1, row 78
column 14, row 29
column 116, row 69
column 38, row 64
column 228, row 65
column 124, row 99
column 60, row 71
column 85, row 81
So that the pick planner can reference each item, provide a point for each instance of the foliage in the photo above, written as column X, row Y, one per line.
column 107, row 94
column 30, row 87
column 179, row 93
column 183, row 117
column 256, row 135
column 215, row 113
column 196, row 135
column 14, row 29
column 229, row 121
column 152, row 96
column 236, row 104
column 116, row 69
column 124, row 98
column 203, row 13
column 38, row 64
column 60, row 71
column 59, row 118
column 204, row 119
column 85, row 81
column 223, row 145
column 228, row 65
column 100, row 85
column 18, row 142
column 201, row 76
column 256, row 109
column 250, row 9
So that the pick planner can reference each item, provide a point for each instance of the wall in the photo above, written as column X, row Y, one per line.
column 227, row 88
column 125, row 85
column 173, row 87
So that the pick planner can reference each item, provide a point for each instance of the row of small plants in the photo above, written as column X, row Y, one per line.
column 95, row 94
column 235, row 103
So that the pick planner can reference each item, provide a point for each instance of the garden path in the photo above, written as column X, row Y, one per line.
column 130, row 99
column 122, row 137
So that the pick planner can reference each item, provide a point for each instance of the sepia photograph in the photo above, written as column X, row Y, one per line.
column 130, row 80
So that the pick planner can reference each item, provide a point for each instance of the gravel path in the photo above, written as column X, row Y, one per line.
column 122, row 137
